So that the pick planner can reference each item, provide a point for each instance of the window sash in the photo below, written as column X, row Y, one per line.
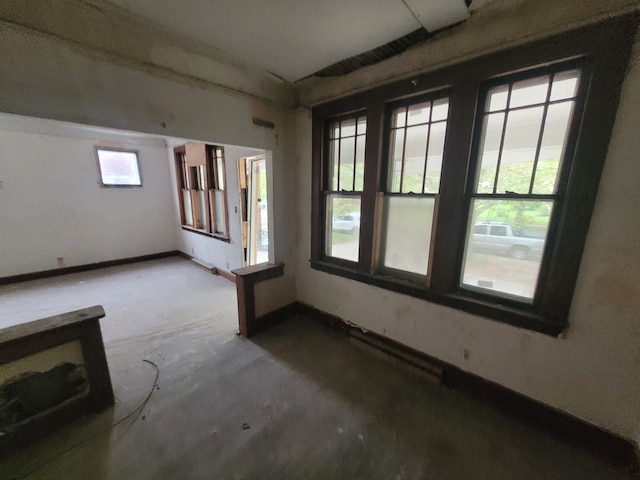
column 518, row 246
column 201, row 193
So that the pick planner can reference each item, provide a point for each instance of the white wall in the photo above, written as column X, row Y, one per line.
column 592, row 373
column 51, row 205
column 49, row 77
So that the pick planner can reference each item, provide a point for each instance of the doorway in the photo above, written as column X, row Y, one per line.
column 254, row 203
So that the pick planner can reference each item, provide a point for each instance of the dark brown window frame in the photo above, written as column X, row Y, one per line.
column 602, row 50
column 211, row 185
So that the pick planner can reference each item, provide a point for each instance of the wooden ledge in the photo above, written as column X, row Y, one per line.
column 260, row 272
column 24, row 330
column 23, row 340
column 246, row 278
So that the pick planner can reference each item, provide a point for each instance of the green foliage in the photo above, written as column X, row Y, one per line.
column 532, row 215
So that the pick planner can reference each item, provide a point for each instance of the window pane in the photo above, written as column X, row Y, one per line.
column 490, row 147
column 221, row 221
column 333, row 163
column 220, row 173
column 434, row 158
column 348, row 128
column 347, row 153
column 529, row 92
column 346, row 165
column 414, row 157
column 334, row 130
column 552, row 147
column 565, row 85
column 419, row 113
column 183, row 173
column 398, row 117
column 362, row 125
column 506, row 261
column 360, row 146
column 407, row 233
column 201, row 178
column 343, row 227
column 201, row 209
column 397, row 144
column 188, row 215
column 519, row 150
column 440, row 110
column 118, row 168
column 497, row 98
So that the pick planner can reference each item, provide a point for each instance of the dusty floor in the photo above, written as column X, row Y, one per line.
column 296, row 402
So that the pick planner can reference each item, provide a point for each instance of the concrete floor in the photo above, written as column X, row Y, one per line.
column 296, row 402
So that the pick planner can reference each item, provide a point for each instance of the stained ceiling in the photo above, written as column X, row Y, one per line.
column 293, row 39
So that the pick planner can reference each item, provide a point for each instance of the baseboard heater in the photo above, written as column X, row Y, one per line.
column 414, row 364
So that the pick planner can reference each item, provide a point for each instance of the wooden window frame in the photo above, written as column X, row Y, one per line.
column 602, row 52
column 210, row 183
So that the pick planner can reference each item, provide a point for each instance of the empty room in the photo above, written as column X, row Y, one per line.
column 348, row 239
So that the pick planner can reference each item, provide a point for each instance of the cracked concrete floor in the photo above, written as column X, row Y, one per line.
column 298, row 401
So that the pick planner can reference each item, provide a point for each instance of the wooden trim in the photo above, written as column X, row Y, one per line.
column 197, row 231
column 370, row 225
column 25, row 277
column 609, row 447
column 213, row 269
column 450, row 205
column 468, row 303
column 246, row 278
column 228, row 275
column 29, row 329
column 317, row 197
column 179, row 177
column 26, row 339
column 273, row 318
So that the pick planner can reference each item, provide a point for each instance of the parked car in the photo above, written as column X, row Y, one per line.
column 347, row 222
column 500, row 238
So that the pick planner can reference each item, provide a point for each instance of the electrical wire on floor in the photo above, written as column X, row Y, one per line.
column 136, row 411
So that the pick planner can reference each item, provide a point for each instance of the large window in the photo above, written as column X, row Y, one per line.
column 201, row 189
column 343, row 191
column 473, row 186
column 415, row 133
column 517, row 185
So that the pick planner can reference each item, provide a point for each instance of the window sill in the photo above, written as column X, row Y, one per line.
column 217, row 236
column 460, row 301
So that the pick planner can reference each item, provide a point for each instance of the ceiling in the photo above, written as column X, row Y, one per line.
column 293, row 39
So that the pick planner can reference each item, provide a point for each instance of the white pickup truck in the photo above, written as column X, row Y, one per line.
column 500, row 238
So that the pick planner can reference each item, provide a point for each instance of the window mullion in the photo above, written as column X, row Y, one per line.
column 500, row 149
column 426, row 150
column 444, row 264
column 370, row 226
column 541, row 134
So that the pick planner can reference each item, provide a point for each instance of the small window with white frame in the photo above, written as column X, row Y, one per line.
column 118, row 167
